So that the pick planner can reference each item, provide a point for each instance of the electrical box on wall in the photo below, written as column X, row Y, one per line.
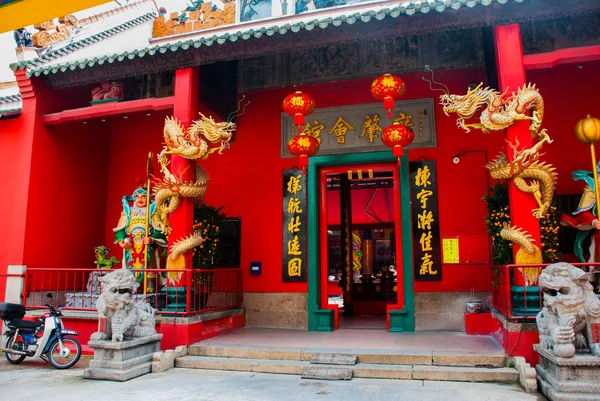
column 255, row 268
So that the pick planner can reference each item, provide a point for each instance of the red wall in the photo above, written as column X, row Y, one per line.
column 67, row 208
column 569, row 94
column 247, row 179
column 131, row 140
column 77, row 201
column 16, row 135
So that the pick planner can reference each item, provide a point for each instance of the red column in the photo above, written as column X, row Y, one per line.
column 185, row 110
column 511, row 74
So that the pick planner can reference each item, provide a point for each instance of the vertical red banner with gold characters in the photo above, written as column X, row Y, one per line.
column 294, row 226
column 425, row 221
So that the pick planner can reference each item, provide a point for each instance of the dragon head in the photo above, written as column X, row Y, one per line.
column 464, row 105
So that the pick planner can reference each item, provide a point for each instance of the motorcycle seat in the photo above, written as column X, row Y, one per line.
column 25, row 324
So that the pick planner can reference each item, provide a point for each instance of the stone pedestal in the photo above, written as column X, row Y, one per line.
column 576, row 378
column 121, row 361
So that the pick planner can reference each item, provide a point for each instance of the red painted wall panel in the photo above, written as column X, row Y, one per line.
column 569, row 94
column 67, row 190
column 247, row 178
column 131, row 140
column 16, row 135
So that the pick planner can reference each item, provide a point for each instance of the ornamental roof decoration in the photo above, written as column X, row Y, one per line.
column 10, row 99
column 129, row 34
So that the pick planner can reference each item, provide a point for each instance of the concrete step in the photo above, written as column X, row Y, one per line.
column 387, row 357
column 365, row 370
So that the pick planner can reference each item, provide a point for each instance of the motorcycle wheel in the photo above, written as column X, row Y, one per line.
column 15, row 359
column 60, row 362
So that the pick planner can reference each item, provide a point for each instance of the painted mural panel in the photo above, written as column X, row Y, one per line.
column 357, row 129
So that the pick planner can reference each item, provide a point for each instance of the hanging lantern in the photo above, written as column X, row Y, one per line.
column 388, row 88
column 298, row 105
column 397, row 136
column 303, row 146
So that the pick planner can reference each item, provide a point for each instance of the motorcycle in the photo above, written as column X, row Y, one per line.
column 45, row 338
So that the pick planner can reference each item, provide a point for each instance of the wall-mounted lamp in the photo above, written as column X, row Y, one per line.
column 125, row 116
column 148, row 114
column 103, row 119
column 84, row 122
column 457, row 157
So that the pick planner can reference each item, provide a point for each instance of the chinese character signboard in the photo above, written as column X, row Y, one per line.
column 425, row 222
column 294, row 226
column 356, row 129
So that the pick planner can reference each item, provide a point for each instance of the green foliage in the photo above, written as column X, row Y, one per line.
column 208, row 220
column 498, row 213
column 549, row 227
column 102, row 262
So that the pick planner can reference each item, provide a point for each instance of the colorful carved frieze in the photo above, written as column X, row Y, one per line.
column 205, row 16
column 50, row 32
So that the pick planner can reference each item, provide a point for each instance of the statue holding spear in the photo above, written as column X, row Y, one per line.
column 137, row 234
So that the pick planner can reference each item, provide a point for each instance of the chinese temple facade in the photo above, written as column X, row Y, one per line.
column 407, row 241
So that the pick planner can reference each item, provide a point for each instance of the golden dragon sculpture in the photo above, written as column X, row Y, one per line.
column 526, row 166
column 500, row 112
column 527, row 254
column 201, row 139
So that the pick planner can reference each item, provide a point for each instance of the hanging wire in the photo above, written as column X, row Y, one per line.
column 234, row 114
column 445, row 90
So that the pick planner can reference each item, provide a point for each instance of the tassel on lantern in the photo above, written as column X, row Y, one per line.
column 388, row 104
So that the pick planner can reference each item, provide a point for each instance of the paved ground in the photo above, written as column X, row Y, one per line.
column 360, row 339
column 34, row 380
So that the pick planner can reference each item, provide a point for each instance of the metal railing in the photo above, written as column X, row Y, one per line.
column 198, row 290
column 513, row 296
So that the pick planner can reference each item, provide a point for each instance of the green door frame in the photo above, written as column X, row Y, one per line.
column 323, row 319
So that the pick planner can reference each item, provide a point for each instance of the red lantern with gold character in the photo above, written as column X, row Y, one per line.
column 303, row 146
column 298, row 105
column 397, row 136
column 388, row 88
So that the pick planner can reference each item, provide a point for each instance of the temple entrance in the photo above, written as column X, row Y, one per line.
column 360, row 251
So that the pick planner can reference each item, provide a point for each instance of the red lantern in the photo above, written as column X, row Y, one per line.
column 388, row 88
column 303, row 146
column 298, row 105
column 397, row 136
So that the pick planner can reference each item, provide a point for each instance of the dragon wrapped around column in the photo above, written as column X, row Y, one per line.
column 528, row 173
column 203, row 138
column 501, row 111
column 524, row 166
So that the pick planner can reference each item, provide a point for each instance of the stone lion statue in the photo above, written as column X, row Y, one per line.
column 125, row 318
column 570, row 319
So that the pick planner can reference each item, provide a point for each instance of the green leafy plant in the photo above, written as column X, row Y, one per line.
column 102, row 262
column 208, row 220
column 498, row 213
column 549, row 227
